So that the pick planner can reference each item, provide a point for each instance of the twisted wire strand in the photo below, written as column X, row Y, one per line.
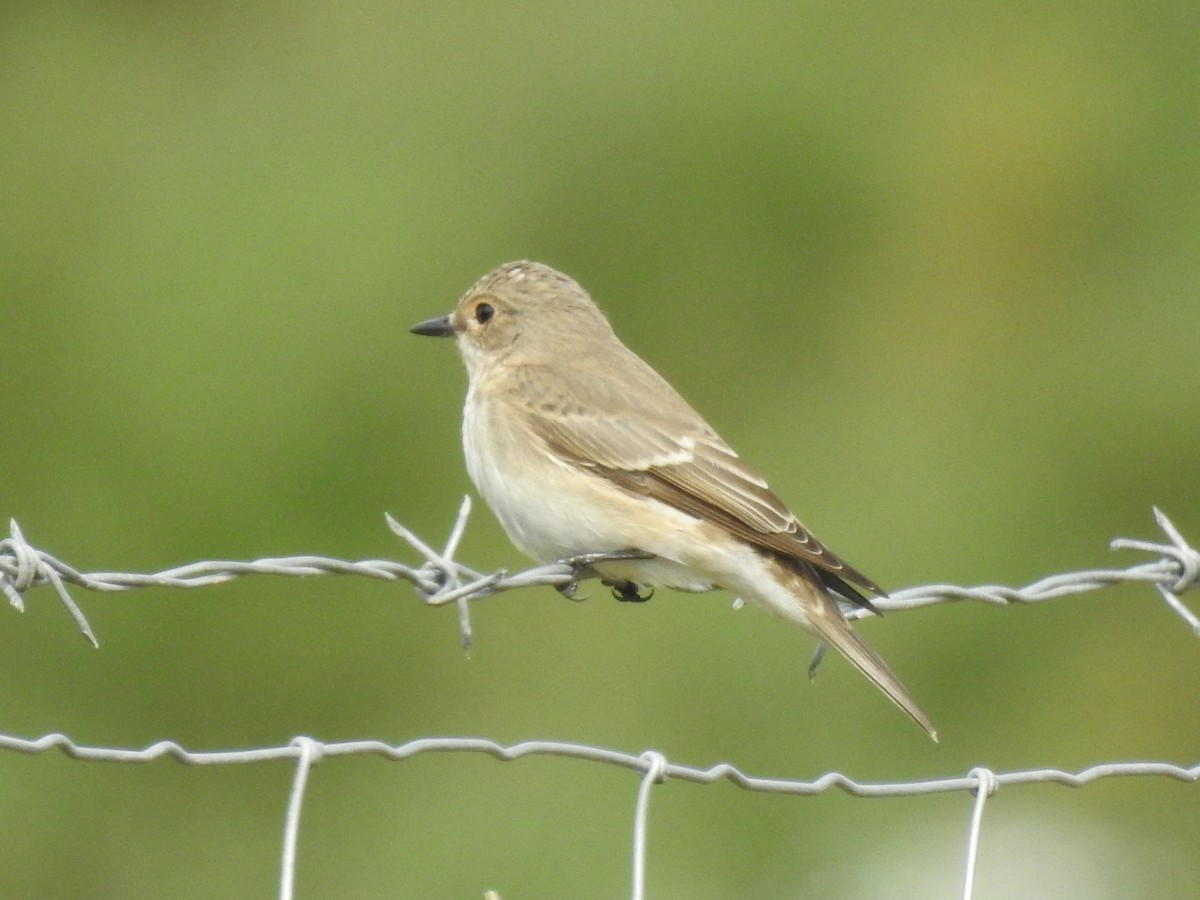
column 442, row 580
column 650, row 763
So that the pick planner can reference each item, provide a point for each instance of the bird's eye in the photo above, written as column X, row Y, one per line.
column 484, row 313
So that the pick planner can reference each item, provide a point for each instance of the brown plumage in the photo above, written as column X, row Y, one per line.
column 579, row 446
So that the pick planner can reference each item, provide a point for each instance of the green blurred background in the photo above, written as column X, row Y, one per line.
column 932, row 267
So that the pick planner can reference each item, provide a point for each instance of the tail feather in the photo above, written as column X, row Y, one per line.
column 813, row 608
column 836, row 631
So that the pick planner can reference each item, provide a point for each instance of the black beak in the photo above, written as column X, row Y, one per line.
column 439, row 327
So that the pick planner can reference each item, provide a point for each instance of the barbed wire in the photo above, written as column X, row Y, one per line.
column 441, row 580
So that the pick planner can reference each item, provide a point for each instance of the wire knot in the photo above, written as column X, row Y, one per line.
column 310, row 750
column 656, row 766
column 26, row 567
column 22, row 569
column 29, row 564
column 1189, row 567
column 432, row 579
column 986, row 782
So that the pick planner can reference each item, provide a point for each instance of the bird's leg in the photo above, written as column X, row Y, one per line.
column 581, row 568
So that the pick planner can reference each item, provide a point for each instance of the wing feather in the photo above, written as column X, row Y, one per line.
column 642, row 436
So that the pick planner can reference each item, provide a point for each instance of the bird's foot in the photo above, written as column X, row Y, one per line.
column 582, row 568
column 628, row 591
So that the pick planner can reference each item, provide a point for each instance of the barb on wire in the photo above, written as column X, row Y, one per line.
column 441, row 579
column 1177, row 570
column 1177, row 553
column 22, row 567
column 450, row 580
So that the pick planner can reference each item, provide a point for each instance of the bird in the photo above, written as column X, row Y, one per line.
column 580, row 447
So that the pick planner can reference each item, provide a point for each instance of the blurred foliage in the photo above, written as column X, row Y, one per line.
column 932, row 267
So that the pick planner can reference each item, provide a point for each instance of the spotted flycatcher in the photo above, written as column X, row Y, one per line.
column 580, row 447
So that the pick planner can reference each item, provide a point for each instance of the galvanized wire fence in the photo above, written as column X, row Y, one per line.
column 440, row 580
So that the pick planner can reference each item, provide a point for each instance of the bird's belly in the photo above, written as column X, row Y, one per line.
column 655, row 572
column 551, row 509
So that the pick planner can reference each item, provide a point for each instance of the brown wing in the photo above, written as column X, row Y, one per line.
column 641, row 435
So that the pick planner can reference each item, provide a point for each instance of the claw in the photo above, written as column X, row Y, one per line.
column 569, row 588
column 628, row 591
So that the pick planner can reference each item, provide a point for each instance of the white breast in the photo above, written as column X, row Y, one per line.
column 551, row 509
column 521, row 483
